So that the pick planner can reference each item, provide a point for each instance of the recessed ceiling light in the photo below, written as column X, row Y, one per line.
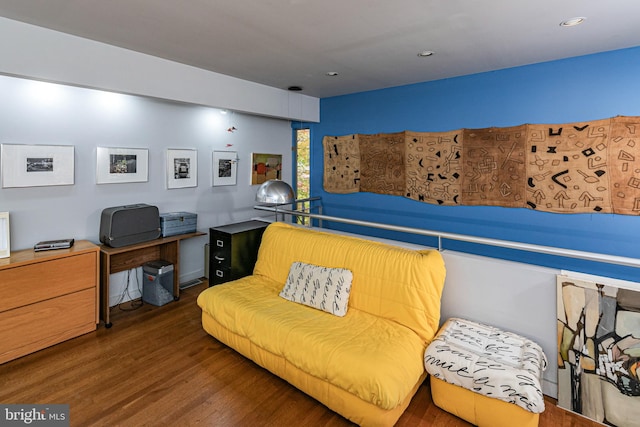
column 332, row 73
column 294, row 88
column 573, row 22
column 425, row 53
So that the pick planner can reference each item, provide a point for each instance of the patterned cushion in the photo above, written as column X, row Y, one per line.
column 489, row 361
column 319, row 287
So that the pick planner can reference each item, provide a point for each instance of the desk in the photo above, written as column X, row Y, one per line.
column 115, row 260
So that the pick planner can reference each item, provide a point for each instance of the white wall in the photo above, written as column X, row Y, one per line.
column 34, row 112
column 513, row 296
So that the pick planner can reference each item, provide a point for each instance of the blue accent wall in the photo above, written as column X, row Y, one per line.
column 572, row 90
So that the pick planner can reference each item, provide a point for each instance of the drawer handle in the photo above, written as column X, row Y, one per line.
column 218, row 258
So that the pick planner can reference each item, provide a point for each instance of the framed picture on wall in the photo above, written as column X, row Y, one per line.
column 5, row 244
column 224, row 168
column 119, row 165
column 265, row 167
column 182, row 168
column 36, row 165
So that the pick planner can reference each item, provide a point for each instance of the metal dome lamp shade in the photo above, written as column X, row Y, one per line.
column 276, row 192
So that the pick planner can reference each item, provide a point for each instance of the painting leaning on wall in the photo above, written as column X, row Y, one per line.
column 599, row 350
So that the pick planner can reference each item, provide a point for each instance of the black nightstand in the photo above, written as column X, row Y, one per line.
column 233, row 250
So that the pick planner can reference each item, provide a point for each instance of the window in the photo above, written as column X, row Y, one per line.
column 302, row 159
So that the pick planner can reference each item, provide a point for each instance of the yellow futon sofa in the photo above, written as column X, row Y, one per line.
column 365, row 364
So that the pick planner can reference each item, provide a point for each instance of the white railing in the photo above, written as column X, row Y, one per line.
column 549, row 250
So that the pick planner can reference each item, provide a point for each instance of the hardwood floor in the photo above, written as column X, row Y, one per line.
column 157, row 367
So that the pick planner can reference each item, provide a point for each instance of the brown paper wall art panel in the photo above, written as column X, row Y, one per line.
column 434, row 167
column 624, row 158
column 341, row 164
column 382, row 163
column 494, row 166
column 568, row 170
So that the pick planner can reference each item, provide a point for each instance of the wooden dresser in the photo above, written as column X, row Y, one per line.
column 47, row 297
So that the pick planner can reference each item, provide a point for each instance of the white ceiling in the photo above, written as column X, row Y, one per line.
column 372, row 44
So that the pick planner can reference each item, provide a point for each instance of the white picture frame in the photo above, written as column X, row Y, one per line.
column 122, row 165
column 182, row 168
column 5, row 241
column 224, row 168
column 37, row 165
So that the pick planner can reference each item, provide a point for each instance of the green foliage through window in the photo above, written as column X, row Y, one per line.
column 303, row 154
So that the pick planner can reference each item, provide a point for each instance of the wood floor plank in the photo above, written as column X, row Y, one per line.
column 157, row 367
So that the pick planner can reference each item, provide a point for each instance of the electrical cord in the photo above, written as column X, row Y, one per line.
column 133, row 304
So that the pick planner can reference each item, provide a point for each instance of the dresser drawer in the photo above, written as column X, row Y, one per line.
column 41, row 281
column 30, row 328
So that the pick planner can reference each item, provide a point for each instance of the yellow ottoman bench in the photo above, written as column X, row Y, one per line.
column 486, row 376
